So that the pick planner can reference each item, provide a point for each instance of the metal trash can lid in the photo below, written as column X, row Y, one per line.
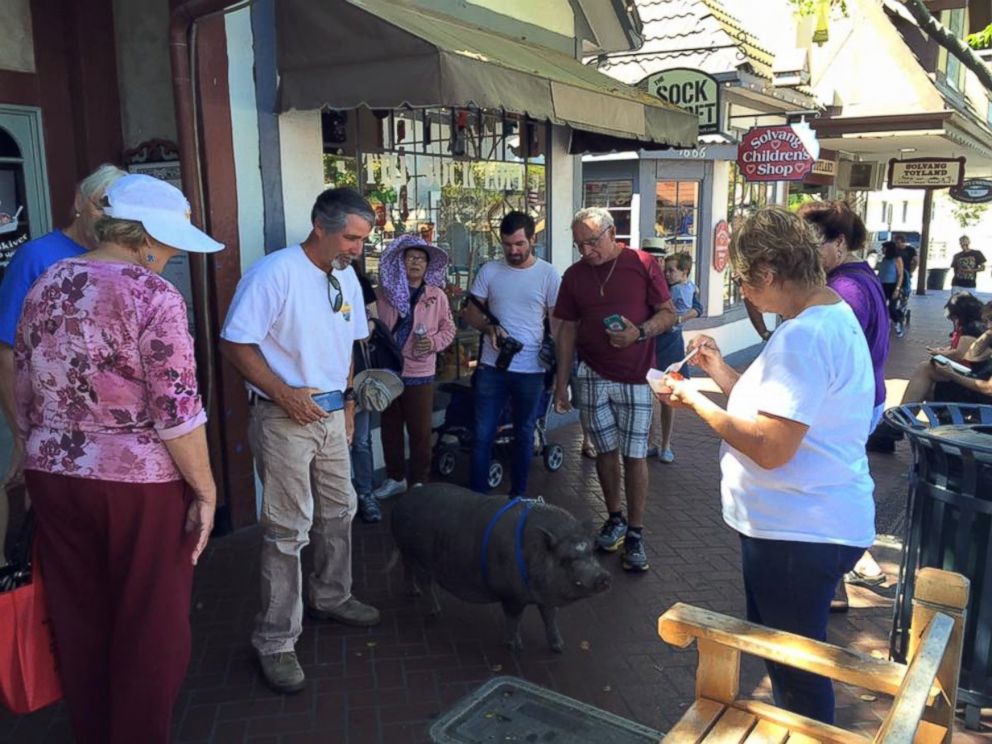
column 964, row 425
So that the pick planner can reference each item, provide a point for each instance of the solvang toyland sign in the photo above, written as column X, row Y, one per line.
column 781, row 153
column 973, row 191
column 926, row 173
column 691, row 90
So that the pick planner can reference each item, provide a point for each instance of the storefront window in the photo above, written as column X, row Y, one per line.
column 450, row 175
column 743, row 200
column 616, row 196
column 676, row 215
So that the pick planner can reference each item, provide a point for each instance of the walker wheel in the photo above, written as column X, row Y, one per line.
column 554, row 457
column 446, row 462
column 495, row 475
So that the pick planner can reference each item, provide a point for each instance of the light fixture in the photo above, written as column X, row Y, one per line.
column 907, row 149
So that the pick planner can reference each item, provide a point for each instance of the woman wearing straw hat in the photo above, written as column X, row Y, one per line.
column 116, row 462
column 413, row 305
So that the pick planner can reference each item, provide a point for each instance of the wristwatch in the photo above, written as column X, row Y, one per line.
column 641, row 335
column 349, row 394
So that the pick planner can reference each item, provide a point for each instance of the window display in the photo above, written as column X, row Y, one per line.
column 449, row 174
column 743, row 199
column 676, row 217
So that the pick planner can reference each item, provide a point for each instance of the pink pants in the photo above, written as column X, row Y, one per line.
column 118, row 574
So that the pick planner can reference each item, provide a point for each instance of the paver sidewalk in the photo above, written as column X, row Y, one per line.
column 388, row 684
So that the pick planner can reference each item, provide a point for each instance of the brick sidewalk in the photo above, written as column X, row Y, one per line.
column 387, row 684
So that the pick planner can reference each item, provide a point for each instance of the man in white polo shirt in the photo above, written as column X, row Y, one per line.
column 289, row 331
column 519, row 292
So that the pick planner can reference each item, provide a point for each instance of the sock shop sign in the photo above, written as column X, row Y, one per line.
column 782, row 153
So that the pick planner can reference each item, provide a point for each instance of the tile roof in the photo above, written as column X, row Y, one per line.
column 700, row 34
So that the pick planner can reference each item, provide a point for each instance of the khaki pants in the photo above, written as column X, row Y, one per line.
column 306, row 480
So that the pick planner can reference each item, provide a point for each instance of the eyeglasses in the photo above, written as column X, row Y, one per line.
column 334, row 294
column 415, row 258
column 590, row 242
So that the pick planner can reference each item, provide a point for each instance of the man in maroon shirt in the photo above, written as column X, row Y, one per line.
column 612, row 286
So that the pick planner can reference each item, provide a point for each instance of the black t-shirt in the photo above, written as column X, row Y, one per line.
column 966, row 266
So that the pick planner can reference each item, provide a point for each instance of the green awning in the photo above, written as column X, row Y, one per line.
column 343, row 54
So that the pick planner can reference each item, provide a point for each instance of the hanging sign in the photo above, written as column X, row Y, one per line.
column 926, row 173
column 692, row 90
column 721, row 246
column 780, row 153
column 824, row 170
column 973, row 191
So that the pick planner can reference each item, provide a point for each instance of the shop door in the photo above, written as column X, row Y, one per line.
column 25, row 210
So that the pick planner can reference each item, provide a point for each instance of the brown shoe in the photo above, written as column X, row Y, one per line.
column 350, row 612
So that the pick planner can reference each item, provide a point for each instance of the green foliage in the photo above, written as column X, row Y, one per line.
column 796, row 200
column 808, row 7
column 967, row 215
column 980, row 39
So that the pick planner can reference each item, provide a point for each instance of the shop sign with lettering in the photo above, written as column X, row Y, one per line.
column 721, row 246
column 926, row 173
column 691, row 90
column 779, row 153
column 973, row 191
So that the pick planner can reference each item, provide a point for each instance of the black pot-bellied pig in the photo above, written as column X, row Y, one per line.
column 482, row 549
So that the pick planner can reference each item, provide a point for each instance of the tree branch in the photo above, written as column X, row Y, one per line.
column 949, row 41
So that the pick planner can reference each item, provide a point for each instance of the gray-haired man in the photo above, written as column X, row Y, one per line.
column 290, row 331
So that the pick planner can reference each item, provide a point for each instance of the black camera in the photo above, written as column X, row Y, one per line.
column 509, row 347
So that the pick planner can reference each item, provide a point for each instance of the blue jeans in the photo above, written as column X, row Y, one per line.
column 361, row 453
column 491, row 389
column 789, row 586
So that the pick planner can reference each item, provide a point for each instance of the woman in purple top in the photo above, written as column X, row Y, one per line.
column 116, row 462
column 853, row 279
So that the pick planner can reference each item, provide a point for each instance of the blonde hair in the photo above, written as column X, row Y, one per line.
column 129, row 233
column 774, row 239
column 95, row 185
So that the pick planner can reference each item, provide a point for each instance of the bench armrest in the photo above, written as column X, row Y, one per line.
column 683, row 623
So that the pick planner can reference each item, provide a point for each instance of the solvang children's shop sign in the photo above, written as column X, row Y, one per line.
column 779, row 153
column 926, row 173
column 692, row 90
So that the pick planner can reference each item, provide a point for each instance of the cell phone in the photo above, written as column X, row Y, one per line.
column 614, row 322
column 943, row 361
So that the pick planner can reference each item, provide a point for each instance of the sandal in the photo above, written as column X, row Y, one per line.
column 857, row 578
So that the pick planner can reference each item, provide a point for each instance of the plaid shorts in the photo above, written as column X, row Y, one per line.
column 614, row 414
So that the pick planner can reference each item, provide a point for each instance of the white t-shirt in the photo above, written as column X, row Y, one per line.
column 520, row 299
column 815, row 369
column 282, row 305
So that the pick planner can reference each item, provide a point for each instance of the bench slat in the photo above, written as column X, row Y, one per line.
column 696, row 723
column 767, row 732
column 797, row 724
column 732, row 728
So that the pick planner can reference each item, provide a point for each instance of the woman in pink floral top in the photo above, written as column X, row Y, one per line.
column 116, row 462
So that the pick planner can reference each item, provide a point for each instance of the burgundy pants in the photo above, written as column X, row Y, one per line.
column 414, row 409
column 118, row 574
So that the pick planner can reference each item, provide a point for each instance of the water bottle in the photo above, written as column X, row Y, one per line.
column 419, row 333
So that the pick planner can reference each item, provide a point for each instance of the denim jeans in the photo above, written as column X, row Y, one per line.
column 492, row 388
column 789, row 586
column 361, row 453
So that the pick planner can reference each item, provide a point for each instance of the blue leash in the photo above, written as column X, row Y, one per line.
column 518, row 543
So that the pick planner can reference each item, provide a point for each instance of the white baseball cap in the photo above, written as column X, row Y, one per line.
column 161, row 209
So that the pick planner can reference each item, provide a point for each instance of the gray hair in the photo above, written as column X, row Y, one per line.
column 95, row 185
column 333, row 206
column 602, row 217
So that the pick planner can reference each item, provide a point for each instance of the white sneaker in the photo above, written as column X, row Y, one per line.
column 390, row 488
column 900, row 331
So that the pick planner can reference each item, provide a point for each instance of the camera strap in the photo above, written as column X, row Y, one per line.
column 484, row 309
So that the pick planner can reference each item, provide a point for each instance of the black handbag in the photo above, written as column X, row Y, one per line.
column 380, row 350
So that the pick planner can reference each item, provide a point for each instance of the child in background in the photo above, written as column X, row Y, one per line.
column 670, row 347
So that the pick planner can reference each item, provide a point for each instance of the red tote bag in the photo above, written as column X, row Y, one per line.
column 29, row 679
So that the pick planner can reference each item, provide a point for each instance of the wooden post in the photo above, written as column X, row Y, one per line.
column 946, row 592
column 921, row 277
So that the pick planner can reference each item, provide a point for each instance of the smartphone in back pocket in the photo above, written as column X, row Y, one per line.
column 614, row 322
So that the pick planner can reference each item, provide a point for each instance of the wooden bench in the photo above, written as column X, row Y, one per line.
column 924, row 691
